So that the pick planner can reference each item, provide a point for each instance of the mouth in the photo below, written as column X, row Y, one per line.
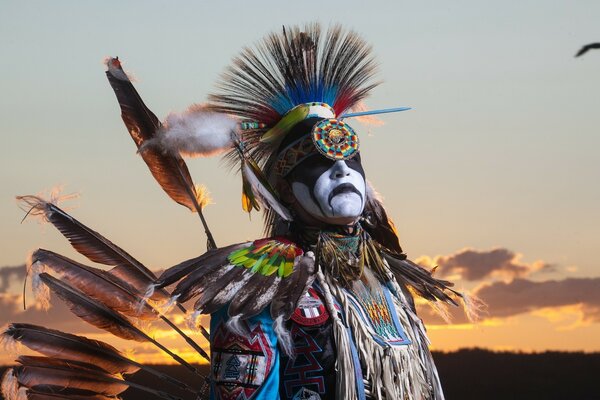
column 343, row 188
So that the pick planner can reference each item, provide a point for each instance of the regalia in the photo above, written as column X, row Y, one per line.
column 320, row 308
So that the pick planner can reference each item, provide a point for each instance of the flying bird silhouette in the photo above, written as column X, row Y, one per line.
column 586, row 48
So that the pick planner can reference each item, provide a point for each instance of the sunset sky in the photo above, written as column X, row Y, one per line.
column 494, row 176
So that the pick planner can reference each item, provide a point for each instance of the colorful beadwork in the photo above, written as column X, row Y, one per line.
column 267, row 256
column 335, row 139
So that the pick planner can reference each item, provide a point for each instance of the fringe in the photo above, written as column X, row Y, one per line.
column 345, row 368
column 420, row 343
column 394, row 372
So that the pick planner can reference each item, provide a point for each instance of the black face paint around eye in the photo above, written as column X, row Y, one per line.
column 313, row 167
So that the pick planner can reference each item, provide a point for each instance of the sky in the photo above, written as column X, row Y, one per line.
column 493, row 176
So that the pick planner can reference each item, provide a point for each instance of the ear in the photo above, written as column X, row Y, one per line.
column 285, row 192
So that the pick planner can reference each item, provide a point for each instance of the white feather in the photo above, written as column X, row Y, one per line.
column 284, row 337
column 197, row 132
column 10, row 386
column 235, row 325
column 41, row 292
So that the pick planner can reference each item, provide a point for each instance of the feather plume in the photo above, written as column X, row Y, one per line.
column 53, row 343
column 196, row 283
column 197, row 132
column 92, row 311
column 102, row 317
column 169, row 170
column 94, row 246
column 97, row 284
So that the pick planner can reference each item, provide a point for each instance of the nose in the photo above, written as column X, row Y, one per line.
column 340, row 170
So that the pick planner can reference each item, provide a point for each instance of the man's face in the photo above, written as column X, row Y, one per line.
column 331, row 191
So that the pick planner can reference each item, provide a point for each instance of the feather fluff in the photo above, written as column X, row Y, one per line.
column 10, row 385
column 197, row 132
column 53, row 343
column 92, row 311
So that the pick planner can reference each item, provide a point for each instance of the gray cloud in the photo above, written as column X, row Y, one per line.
column 8, row 274
column 474, row 265
column 521, row 296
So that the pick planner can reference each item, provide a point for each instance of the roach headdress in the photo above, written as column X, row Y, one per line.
column 292, row 93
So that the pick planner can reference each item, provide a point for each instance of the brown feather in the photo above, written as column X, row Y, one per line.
column 98, row 284
column 92, row 311
column 96, row 247
column 69, row 375
column 53, row 343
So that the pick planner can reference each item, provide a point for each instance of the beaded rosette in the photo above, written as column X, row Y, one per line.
column 335, row 139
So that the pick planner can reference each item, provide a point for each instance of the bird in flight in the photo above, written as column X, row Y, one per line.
column 586, row 48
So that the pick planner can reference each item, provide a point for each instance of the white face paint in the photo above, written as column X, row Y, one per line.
column 338, row 195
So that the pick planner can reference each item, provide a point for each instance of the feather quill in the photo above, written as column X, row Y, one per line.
column 260, row 187
column 169, row 170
